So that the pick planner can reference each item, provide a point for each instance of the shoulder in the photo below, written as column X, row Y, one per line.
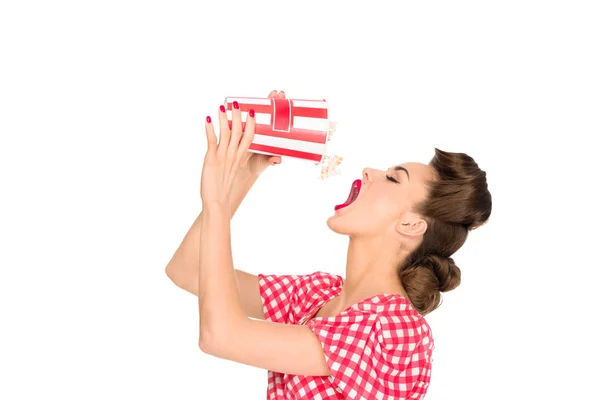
column 401, row 331
column 396, row 324
column 320, row 280
column 301, row 283
column 382, row 334
column 386, row 328
column 288, row 297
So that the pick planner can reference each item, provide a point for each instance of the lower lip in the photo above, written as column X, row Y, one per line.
column 356, row 183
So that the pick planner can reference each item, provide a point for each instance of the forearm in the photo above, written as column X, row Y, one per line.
column 182, row 269
column 219, row 302
column 244, row 182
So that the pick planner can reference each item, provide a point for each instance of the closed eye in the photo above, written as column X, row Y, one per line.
column 391, row 179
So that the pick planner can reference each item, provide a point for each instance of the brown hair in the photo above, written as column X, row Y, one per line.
column 458, row 201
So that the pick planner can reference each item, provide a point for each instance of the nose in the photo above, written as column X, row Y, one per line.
column 368, row 175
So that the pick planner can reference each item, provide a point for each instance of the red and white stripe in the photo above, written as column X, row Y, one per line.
column 286, row 127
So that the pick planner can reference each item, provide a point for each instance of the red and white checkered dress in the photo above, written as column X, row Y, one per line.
column 379, row 348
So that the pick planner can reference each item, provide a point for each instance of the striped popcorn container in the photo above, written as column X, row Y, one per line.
column 287, row 127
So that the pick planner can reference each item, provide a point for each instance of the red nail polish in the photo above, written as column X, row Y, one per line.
column 251, row 112
column 236, row 105
column 222, row 108
column 208, row 120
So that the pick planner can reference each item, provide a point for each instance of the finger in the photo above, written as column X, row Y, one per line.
column 281, row 95
column 272, row 94
column 211, row 137
column 236, row 131
column 247, row 137
column 224, row 132
column 274, row 160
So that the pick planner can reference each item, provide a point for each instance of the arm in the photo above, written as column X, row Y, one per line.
column 183, row 267
column 225, row 329
column 286, row 348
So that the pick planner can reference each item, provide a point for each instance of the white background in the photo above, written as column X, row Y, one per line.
column 102, row 106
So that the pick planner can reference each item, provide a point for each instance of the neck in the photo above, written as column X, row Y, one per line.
column 371, row 266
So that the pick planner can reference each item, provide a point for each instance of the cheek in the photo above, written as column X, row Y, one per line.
column 373, row 216
column 382, row 211
column 381, row 204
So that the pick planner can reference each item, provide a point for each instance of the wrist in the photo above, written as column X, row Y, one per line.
column 244, row 174
column 215, row 206
column 244, row 180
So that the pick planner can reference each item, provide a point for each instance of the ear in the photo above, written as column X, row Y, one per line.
column 411, row 226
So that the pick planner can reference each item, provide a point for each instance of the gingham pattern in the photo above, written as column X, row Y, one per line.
column 380, row 348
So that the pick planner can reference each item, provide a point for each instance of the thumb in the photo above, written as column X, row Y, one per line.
column 274, row 160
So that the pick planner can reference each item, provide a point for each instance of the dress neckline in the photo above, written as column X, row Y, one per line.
column 380, row 296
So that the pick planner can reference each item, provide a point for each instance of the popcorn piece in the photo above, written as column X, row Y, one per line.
column 330, row 166
column 332, row 128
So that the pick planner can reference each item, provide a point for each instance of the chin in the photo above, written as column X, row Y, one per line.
column 339, row 225
column 332, row 223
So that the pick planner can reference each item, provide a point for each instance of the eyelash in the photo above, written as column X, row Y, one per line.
column 391, row 179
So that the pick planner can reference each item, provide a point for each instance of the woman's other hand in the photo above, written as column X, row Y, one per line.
column 253, row 164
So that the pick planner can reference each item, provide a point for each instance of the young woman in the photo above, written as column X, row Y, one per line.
column 320, row 335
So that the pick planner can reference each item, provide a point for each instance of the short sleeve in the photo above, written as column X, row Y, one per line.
column 286, row 298
column 377, row 357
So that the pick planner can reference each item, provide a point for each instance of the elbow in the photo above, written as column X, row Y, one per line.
column 218, row 338
column 183, row 279
column 173, row 275
column 208, row 343
column 169, row 272
column 204, row 345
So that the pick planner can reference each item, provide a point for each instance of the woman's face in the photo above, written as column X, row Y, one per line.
column 381, row 203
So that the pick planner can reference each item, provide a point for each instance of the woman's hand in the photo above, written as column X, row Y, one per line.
column 224, row 156
column 253, row 164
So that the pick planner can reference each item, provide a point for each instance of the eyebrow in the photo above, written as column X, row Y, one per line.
column 399, row 168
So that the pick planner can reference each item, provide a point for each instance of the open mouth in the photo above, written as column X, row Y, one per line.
column 354, row 191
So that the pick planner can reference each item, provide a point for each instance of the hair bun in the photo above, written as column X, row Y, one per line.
column 445, row 270
column 474, row 225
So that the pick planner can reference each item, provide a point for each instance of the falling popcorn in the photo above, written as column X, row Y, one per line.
column 288, row 127
column 332, row 127
column 330, row 166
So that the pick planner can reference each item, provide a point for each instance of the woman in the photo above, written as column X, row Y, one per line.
column 362, row 337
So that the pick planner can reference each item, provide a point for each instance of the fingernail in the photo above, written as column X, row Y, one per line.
column 208, row 120
column 222, row 108
column 251, row 113
column 236, row 105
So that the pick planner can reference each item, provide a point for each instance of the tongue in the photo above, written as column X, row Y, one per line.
column 347, row 202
